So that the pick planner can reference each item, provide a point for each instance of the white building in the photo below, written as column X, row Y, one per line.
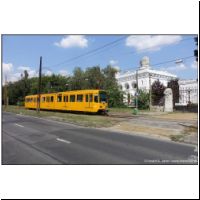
column 188, row 91
column 144, row 76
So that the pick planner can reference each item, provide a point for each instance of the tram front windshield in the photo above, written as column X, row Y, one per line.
column 103, row 97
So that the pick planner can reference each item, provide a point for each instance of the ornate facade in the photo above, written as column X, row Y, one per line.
column 188, row 92
column 145, row 76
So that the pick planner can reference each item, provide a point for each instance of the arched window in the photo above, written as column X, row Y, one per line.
column 134, row 84
column 120, row 87
column 127, row 86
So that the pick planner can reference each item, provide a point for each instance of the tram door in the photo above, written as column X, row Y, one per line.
column 59, row 102
column 48, row 102
column 65, row 101
column 89, row 100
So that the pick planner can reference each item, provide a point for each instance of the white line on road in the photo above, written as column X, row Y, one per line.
column 61, row 140
column 49, row 120
column 19, row 125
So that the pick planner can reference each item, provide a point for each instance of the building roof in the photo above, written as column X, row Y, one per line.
column 147, row 70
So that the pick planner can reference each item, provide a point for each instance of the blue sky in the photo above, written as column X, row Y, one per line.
column 23, row 51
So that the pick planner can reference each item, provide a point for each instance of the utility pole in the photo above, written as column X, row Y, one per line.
column 189, row 96
column 149, row 91
column 135, row 110
column 39, row 86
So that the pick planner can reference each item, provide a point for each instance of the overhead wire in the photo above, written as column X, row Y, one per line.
column 89, row 52
column 103, row 48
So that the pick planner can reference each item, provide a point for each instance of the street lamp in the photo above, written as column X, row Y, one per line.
column 179, row 61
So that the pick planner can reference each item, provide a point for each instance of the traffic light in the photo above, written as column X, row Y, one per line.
column 196, row 54
column 196, row 50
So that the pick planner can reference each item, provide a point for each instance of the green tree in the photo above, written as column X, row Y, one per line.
column 157, row 93
column 78, row 79
column 173, row 84
column 94, row 78
column 143, row 100
column 115, row 95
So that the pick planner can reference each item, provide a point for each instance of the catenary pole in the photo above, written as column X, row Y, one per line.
column 39, row 85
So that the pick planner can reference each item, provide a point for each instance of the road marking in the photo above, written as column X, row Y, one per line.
column 49, row 120
column 61, row 140
column 19, row 125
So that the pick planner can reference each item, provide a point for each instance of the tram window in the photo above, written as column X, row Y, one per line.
column 103, row 96
column 34, row 99
column 79, row 98
column 96, row 99
column 47, row 99
column 59, row 98
column 72, row 98
column 86, row 98
column 51, row 98
column 43, row 99
column 91, row 97
column 65, row 98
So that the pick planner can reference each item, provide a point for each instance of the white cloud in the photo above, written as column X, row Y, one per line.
column 63, row 73
column 48, row 73
column 22, row 68
column 14, row 77
column 73, row 41
column 32, row 73
column 151, row 43
column 179, row 67
column 113, row 62
column 7, row 68
column 7, row 72
column 194, row 65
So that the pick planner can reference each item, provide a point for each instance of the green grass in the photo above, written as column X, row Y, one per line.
column 180, row 137
column 88, row 120
column 124, row 110
column 177, row 138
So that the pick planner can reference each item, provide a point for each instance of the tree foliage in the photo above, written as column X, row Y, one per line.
column 157, row 90
column 143, row 100
column 91, row 78
column 173, row 84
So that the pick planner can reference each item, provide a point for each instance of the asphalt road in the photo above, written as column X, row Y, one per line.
column 29, row 140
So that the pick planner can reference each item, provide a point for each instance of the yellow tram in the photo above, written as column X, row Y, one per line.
column 94, row 101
